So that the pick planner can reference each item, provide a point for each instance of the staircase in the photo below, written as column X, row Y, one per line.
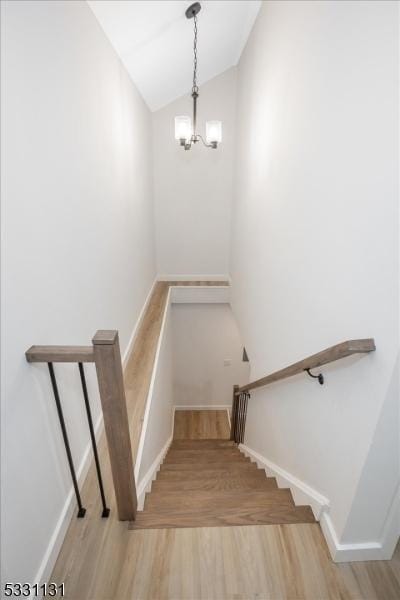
column 210, row 483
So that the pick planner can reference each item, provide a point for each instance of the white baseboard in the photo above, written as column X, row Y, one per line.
column 177, row 277
column 203, row 407
column 54, row 546
column 145, row 483
column 352, row 552
column 347, row 552
column 128, row 349
column 301, row 492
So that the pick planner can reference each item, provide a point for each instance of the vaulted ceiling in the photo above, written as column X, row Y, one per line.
column 155, row 41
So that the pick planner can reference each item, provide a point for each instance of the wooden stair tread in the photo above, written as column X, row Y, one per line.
column 206, row 443
column 220, row 499
column 206, row 452
column 223, row 517
column 225, row 472
column 211, row 483
column 239, row 465
column 199, row 457
column 244, row 482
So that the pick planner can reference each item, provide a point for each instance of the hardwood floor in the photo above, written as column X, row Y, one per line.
column 274, row 562
column 277, row 562
column 201, row 424
column 101, row 559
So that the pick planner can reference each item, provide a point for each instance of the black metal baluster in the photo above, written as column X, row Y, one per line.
column 81, row 511
column 247, row 404
column 243, row 417
column 237, row 418
column 106, row 511
column 232, row 434
column 246, row 400
column 240, row 418
column 239, row 439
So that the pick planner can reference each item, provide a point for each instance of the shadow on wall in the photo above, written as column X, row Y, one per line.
column 207, row 355
column 376, row 499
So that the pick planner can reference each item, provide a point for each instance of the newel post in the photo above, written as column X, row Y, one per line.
column 234, row 413
column 107, row 358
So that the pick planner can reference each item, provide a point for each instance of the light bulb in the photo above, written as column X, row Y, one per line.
column 183, row 128
column 213, row 132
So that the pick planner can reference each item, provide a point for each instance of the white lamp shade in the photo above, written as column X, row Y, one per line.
column 183, row 128
column 213, row 131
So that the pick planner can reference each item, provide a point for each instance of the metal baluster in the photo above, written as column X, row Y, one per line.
column 106, row 511
column 237, row 418
column 240, row 418
column 233, row 415
column 239, row 439
column 246, row 399
column 247, row 404
column 243, row 417
column 81, row 511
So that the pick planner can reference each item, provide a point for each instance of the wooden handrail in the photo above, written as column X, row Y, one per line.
column 60, row 354
column 105, row 353
column 329, row 355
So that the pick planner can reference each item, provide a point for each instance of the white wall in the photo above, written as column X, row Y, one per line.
column 376, row 488
column 193, row 189
column 204, row 336
column 315, row 243
column 77, row 252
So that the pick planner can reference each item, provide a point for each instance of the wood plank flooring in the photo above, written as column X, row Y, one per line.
column 101, row 559
column 277, row 562
column 201, row 424
column 273, row 562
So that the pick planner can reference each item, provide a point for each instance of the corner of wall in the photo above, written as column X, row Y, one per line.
column 304, row 494
column 377, row 550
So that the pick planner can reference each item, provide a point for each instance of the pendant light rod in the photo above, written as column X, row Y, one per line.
column 183, row 130
column 191, row 13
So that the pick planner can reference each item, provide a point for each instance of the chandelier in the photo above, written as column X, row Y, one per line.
column 184, row 132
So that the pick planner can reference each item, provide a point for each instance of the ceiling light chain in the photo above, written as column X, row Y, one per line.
column 195, row 88
column 183, row 126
